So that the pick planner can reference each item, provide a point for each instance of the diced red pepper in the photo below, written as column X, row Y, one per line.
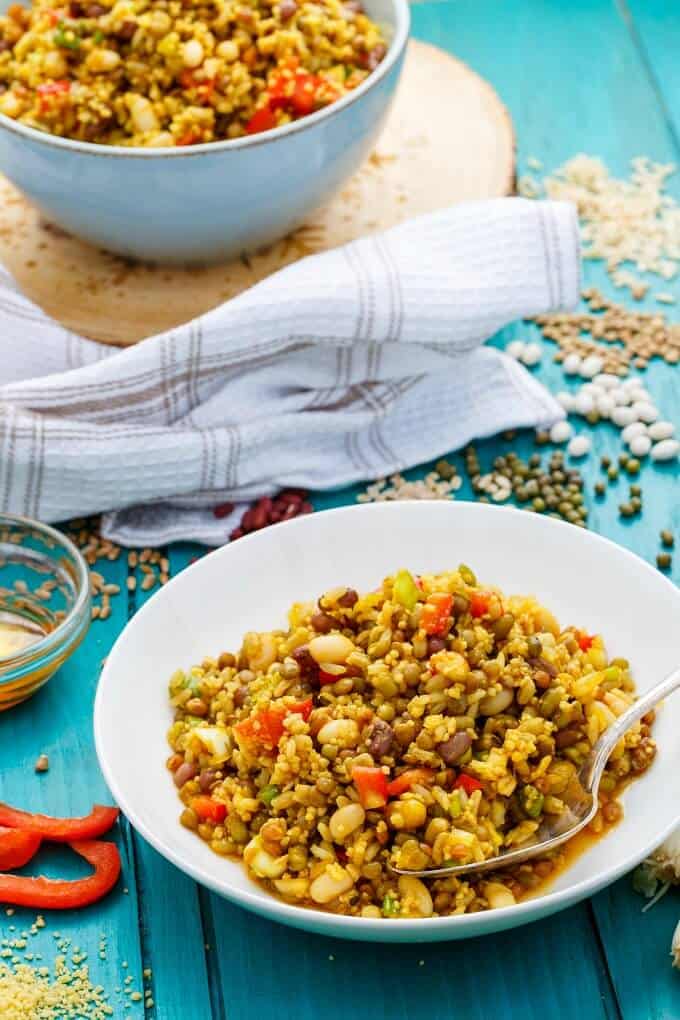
column 265, row 727
column 189, row 138
column 436, row 613
column 479, row 603
column 17, row 847
column 372, row 787
column 60, row 830
column 304, row 94
column 262, row 120
column 585, row 641
column 53, row 88
column 186, row 79
column 58, row 894
column 209, row 810
column 467, row 783
column 409, row 778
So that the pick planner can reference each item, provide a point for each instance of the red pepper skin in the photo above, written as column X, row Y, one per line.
column 585, row 641
column 371, row 784
column 262, row 120
column 209, row 810
column 479, row 603
column 60, row 830
column 435, row 614
column 467, row 783
column 57, row 894
column 17, row 847
column 408, row 779
column 266, row 726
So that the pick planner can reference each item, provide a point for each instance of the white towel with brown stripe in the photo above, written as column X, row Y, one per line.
column 346, row 366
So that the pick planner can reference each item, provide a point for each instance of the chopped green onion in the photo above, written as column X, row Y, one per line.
column 268, row 793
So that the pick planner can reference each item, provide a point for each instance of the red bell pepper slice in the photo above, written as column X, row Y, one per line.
column 372, row 787
column 60, row 830
column 17, row 847
column 435, row 614
column 262, row 120
column 585, row 641
column 266, row 726
column 304, row 94
column 58, row 894
column 479, row 603
column 408, row 779
column 467, row 783
column 209, row 810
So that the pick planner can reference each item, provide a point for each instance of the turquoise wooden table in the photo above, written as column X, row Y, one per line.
column 591, row 76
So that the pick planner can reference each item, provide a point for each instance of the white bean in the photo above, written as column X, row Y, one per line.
column 330, row 648
column 636, row 428
column 607, row 380
column 584, row 403
column 345, row 820
column 640, row 445
column 498, row 895
column 667, row 449
column 623, row 416
column 620, row 396
column 330, row 883
column 591, row 366
column 572, row 364
column 192, row 53
column 415, row 897
column 645, row 411
column 592, row 389
column 565, row 400
column 604, row 405
column 661, row 430
column 492, row 704
column 515, row 349
column 561, row 432
column 579, row 446
column 531, row 355
column 344, row 732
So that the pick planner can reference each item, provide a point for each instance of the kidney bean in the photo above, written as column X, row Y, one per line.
column 435, row 644
column 323, row 623
column 184, row 773
column 240, row 696
column 565, row 738
column 207, row 780
column 349, row 599
column 454, row 748
column 380, row 738
column 222, row 510
column 127, row 30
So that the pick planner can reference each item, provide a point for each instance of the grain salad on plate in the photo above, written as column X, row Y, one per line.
column 179, row 72
column 434, row 720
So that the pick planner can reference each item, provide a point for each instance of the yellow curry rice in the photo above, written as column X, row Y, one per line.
column 179, row 72
column 431, row 720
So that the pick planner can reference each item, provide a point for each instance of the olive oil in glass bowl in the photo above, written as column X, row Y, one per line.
column 44, row 605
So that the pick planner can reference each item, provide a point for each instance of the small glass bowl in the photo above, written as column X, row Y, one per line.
column 44, row 605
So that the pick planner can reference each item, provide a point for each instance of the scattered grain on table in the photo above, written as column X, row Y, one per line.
column 441, row 483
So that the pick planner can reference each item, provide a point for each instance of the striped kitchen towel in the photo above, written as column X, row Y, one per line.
column 345, row 366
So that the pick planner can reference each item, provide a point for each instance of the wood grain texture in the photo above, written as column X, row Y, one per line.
column 415, row 168
column 577, row 77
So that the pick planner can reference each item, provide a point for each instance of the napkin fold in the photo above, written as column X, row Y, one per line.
column 347, row 365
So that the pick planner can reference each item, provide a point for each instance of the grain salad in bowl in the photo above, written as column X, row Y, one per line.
column 166, row 73
column 434, row 720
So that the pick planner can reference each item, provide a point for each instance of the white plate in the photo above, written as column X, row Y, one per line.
column 586, row 580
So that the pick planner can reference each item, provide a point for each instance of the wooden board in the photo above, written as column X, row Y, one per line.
column 463, row 148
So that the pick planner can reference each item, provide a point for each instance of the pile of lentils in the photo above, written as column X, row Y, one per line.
column 554, row 489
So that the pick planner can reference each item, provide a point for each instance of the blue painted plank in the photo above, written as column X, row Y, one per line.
column 58, row 721
column 172, row 929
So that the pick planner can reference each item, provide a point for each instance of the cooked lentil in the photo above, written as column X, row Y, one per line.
column 438, row 720
column 163, row 73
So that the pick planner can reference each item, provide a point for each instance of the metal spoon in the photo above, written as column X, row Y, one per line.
column 581, row 794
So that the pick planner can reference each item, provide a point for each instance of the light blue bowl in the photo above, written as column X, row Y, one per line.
column 210, row 201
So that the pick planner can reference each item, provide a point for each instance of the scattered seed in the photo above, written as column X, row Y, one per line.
column 42, row 764
column 667, row 539
column 664, row 560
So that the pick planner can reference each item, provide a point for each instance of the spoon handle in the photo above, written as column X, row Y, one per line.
column 610, row 738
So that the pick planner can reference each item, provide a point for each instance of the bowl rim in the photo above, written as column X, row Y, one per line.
column 77, row 615
column 340, row 925
column 395, row 50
